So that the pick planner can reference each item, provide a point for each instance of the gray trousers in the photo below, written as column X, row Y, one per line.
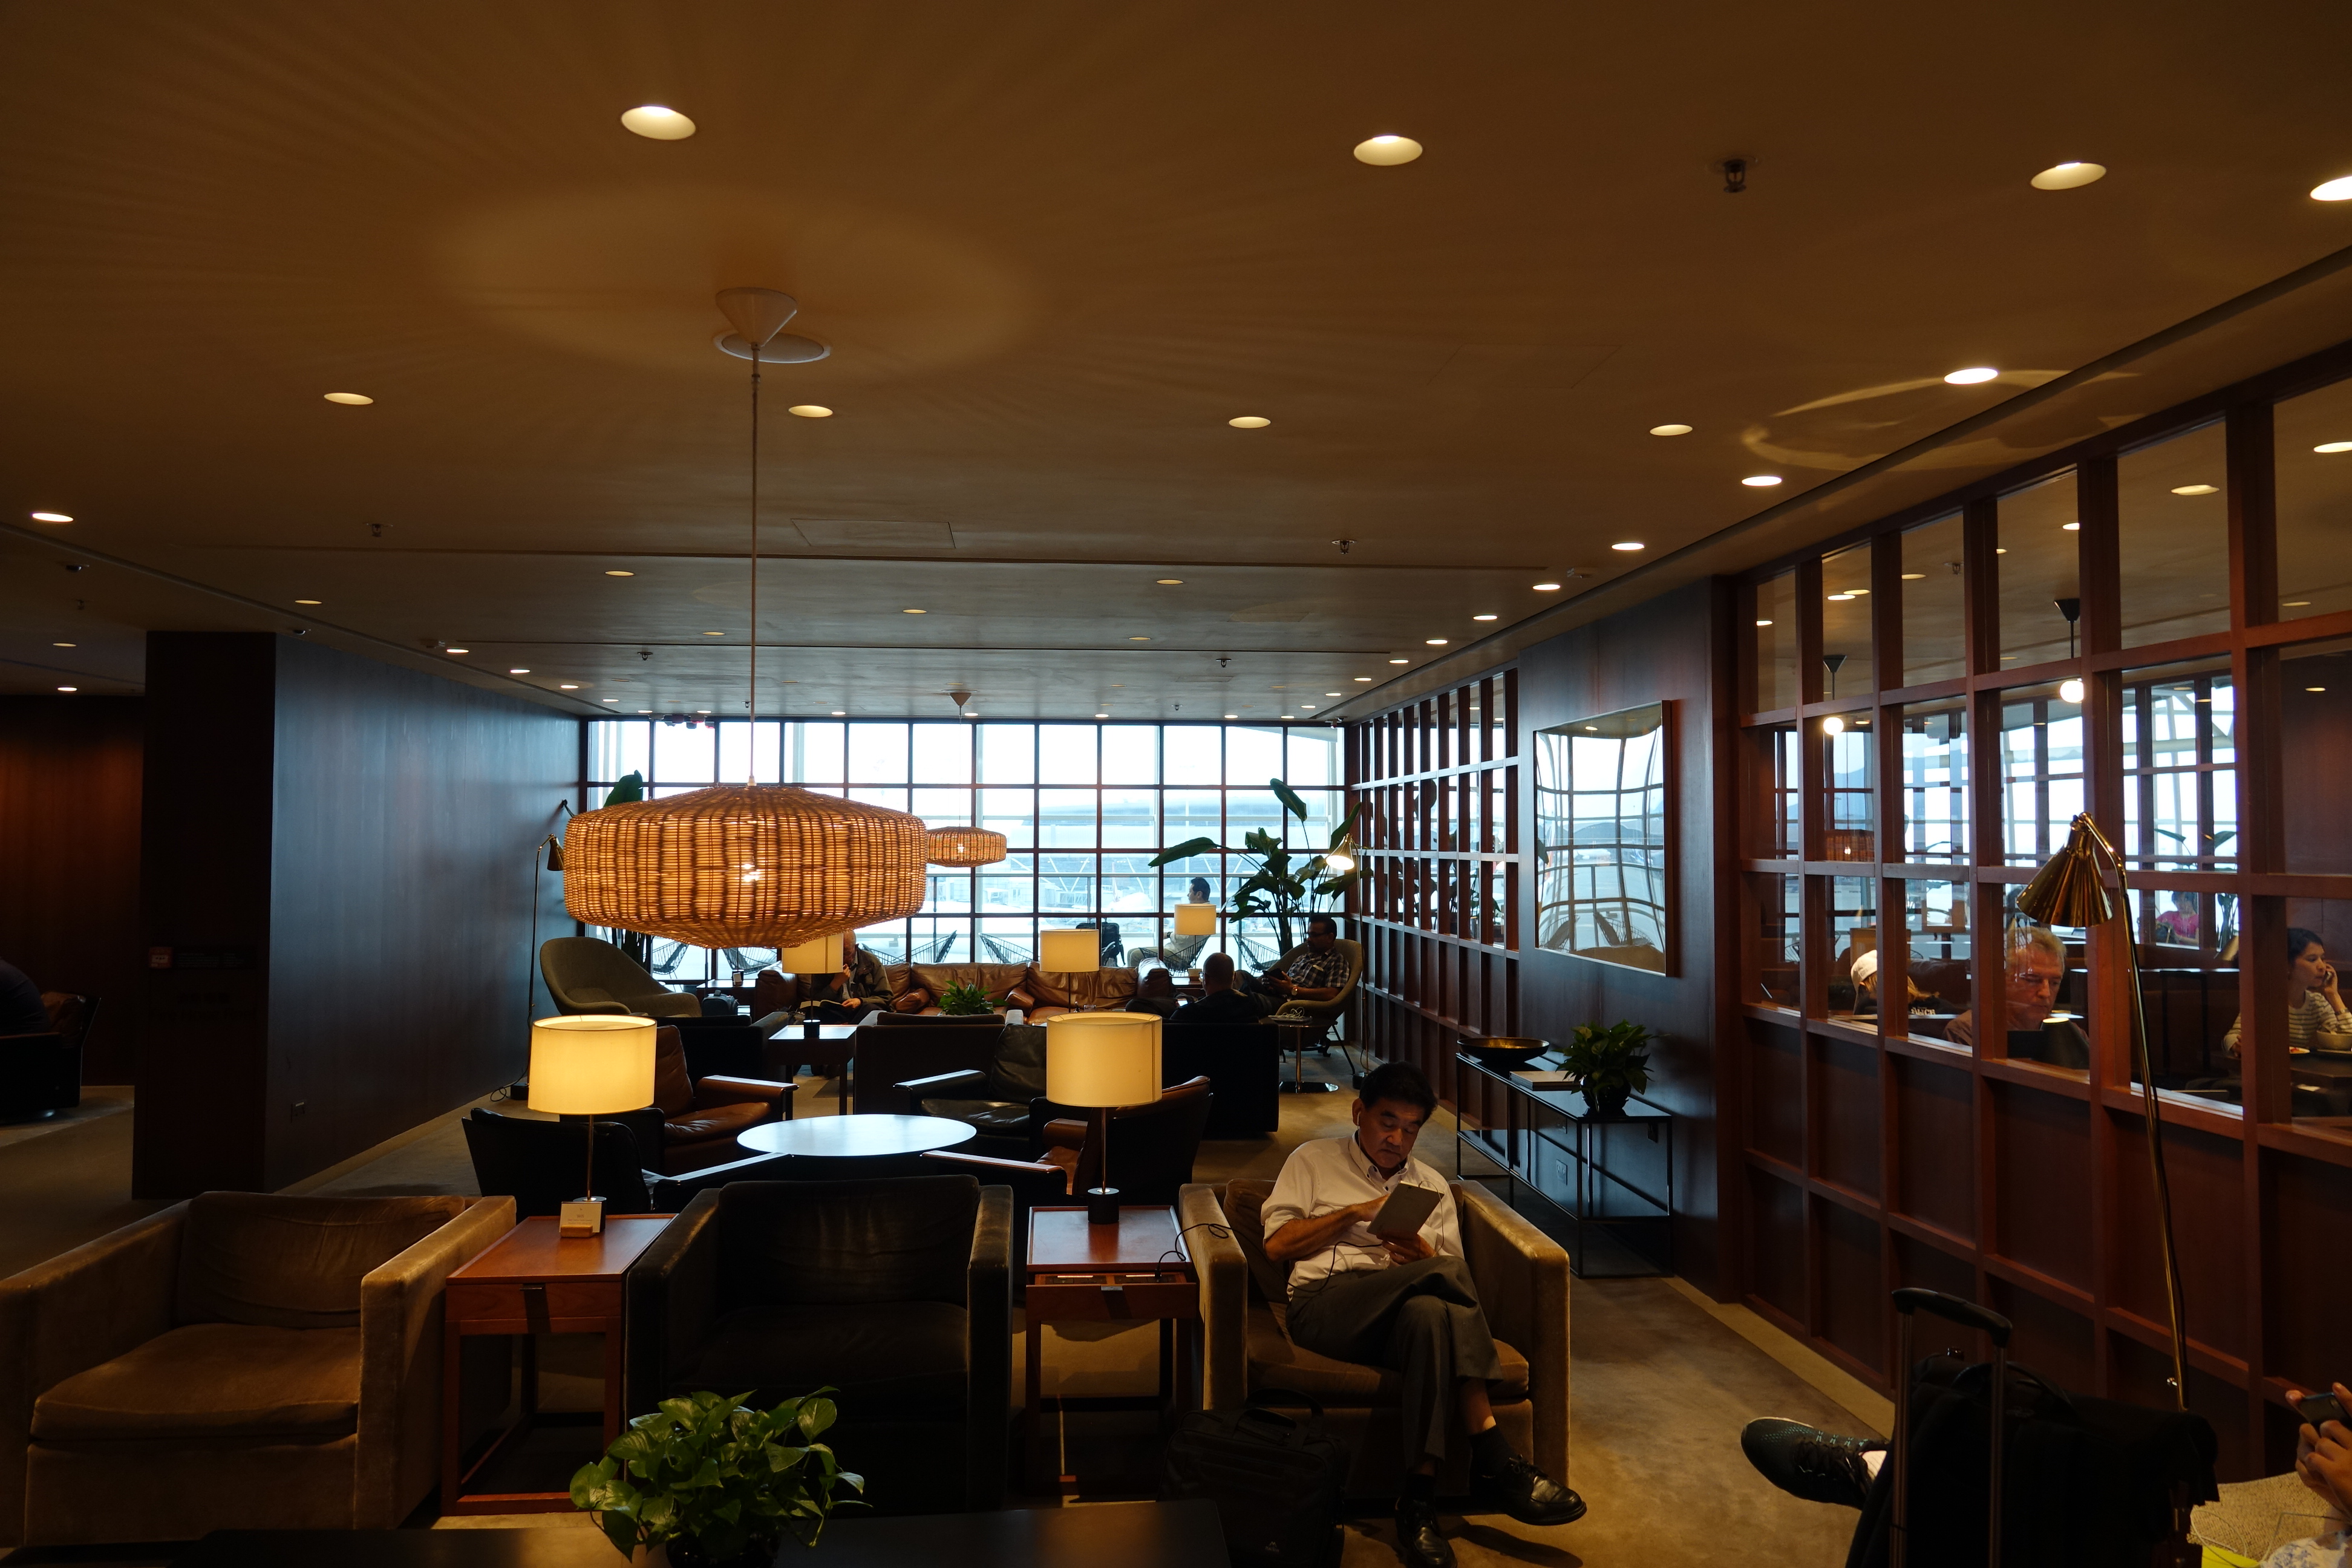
column 1421, row 1319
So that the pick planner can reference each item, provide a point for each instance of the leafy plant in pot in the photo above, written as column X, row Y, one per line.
column 706, row 1482
column 1608, row 1063
column 964, row 999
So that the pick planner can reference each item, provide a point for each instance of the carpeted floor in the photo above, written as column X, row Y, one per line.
column 1662, row 1381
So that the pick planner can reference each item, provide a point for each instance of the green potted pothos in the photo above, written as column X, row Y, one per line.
column 706, row 1482
column 1608, row 1063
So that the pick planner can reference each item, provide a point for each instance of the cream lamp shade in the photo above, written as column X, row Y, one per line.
column 591, row 1065
column 819, row 955
column 1101, row 1060
column 1070, row 953
column 1196, row 919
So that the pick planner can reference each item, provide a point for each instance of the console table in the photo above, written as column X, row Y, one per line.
column 1571, row 1165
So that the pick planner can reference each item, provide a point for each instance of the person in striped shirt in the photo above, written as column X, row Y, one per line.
column 2314, row 1003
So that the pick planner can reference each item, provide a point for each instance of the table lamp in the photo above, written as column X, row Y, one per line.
column 587, row 1065
column 1070, row 953
column 818, row 955
column 1196, row 919
column 1099, row 1061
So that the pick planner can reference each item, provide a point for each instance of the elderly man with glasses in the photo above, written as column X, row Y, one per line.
column 2036, row 973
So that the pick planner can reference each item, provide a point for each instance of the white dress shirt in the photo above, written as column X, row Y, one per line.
column 1333, row 1173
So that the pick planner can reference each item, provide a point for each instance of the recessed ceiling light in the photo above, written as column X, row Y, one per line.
column 68, row 689
column 1139, row 640
column 64, row 645
column 1119, row 686
column 702, row 712
column 1434, row 642
column 1304, row 708
column 914, row 612
column 2315, row 689
column 64, row 517
column 655, row 123
column 1102, row 715
column 1387, row 151
column 619, row 574
column 1335, row 694
column 1547, row 587
column 2001, row 551
column 2287, row 604
column 518, row 672
column 1232, row 715
column 1172, row 581
column 1670, row 429
column 714, row 634
column 608, row 699
column 349, row 399
column 1250, row 422
column 2070, row 528
column 2322, row 446
column 1763, row 623
column 1915, row 576
column 2067, row 176
column 2336, row 190
column 1400, row 661
column 309, row 600
column 1859, row 593
column 568, row 686
column 2196, row 490
column 1364, row 678
column 1485, row 618
column 1971, row 376
column 458, row 650
column 811, row 410
column 841, row 712
column 1629, row 545
column 1840, row 597
column 1762, row 480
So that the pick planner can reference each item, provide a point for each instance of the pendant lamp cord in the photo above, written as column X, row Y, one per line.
column 751, row 706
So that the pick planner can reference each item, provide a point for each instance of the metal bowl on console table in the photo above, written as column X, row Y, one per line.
column 1505, row 1053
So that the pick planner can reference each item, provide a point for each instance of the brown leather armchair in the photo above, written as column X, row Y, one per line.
column 693, row 1122
column 1522, row 1278
column 240, row 1361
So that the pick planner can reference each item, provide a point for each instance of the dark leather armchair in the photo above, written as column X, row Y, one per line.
column 538, row 1164
column 895, row 1293
column 888, row 1057
column 693, row 1122
column 996, row 1102
column 41, row 1073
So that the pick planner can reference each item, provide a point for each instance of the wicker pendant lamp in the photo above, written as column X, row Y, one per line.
column 748, row 865
column 965, row 846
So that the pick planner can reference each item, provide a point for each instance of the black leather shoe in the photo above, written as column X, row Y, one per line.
column 1807, row 1462
column 1527, row 1495
column 1419, row 1542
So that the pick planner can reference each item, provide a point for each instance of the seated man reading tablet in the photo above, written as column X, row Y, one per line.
column 1377, row 1277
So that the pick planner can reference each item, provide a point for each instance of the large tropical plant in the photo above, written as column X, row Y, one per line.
column 1283, row 886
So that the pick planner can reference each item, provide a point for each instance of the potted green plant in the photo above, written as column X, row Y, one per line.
column 1282, row 887
column 965, row 999
column 708, row 1481
column 1608, row 1063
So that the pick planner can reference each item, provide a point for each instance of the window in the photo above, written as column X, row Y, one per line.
column 1082, row 807
column 2173, row 520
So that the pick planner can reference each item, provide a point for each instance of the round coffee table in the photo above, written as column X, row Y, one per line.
column 861, row 1137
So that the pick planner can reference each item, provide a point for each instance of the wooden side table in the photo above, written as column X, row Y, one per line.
column 1136, row 1271
column 532, row 1281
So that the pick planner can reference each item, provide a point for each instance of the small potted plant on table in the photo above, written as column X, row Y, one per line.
column 965, row 999
column 1608, row 1064
column 711, row 1482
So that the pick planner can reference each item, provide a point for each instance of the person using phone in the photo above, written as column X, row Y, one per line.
column 1400, row 1300
column 2314, row 1004
column 2323, row 1449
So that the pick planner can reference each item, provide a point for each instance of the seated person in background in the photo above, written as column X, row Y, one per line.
column 1319, row 971
column 22, row 1010
column 1219, row 1003
column 1407, row 1302
column 1179, row 951
column 1154, row 992
column 860, row 987
column 2037, row 970
column 2313, row 1001
column 2177, row 925
column 1865, row 985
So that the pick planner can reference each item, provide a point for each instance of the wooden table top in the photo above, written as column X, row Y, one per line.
column 1061, row 1241
column 532, row 1251
column 861, row 1137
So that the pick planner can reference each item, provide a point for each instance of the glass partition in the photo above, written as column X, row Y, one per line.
column 1935, row 647
column 1847, row 667
column 2042, row 765
column 1935, row 738
column 2313, row 438
column 2180, row 768
column 1776, row 643
column 2041, row 574
column 2173, row 518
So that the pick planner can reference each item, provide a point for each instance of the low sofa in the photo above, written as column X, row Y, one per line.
column 917, row 988
column 240, row 1361
column 1522, row 1280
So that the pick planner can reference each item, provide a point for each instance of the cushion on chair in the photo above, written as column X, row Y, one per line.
column 1086, row 991
column 888, row 1361
column 293, row 1262
column 673, row 1085
column 1276, row 1363
column 839, row 1243
column 1020, row 1064
column 998, row 1116
column 715, row 1122
column 213, row 1381
column 592, row 995
column 1269, row 1280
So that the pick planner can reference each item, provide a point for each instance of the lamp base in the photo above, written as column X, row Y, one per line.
column 581, row 1216
column 1102, row 1205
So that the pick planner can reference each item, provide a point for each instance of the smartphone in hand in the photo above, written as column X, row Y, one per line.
column 2321, row 1408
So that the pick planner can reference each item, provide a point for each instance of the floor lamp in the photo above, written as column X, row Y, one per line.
column 2068, row 891
column 552, row 848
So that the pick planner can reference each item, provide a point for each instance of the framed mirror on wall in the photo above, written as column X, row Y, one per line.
column 1604, row 839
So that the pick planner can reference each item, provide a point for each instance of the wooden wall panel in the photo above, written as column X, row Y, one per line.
column 1776, row 1092
column 1853, row 1312
column 2041, row 1161
column 2202, row 1171
column 1931, row 1267
column 1776, row 1217
column 1935, row 1146
column 2312, row 1270
column 1845, row 1115
column 69, row 771
column 2053, row 1340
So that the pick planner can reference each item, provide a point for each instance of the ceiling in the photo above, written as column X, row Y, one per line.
column 1054, row 248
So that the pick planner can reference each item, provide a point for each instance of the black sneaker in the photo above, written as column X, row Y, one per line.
column 1807, row 1462
column 1419, row 1541
column 1527, row 1495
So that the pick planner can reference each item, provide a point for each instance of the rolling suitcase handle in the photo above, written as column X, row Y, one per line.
column 1967, row 1314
